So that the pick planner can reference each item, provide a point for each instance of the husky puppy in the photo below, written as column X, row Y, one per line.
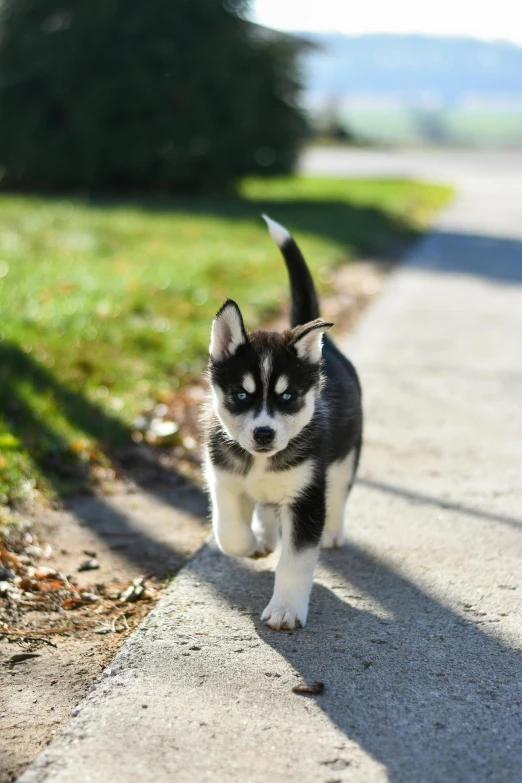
column 283, row 440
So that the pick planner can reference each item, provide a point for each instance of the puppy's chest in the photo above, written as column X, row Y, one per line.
column 283, row 486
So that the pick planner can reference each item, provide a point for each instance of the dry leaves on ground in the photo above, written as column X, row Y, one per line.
column 29, row 590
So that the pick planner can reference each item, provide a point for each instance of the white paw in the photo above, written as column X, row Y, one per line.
column 240, row 542
column 280, row 616
column 332, row 539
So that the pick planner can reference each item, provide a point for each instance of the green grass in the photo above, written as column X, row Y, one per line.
column 105, row 304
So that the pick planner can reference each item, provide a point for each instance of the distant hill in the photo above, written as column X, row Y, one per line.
column 411, row 66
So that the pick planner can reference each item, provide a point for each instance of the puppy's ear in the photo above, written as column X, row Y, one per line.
column 228, row 332
column 307, row 340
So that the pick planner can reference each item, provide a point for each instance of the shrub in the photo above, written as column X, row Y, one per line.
column 141, row 95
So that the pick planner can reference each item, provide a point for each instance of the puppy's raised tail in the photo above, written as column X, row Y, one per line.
column 305, row 304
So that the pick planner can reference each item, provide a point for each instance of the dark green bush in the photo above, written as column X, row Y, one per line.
column 141, row 95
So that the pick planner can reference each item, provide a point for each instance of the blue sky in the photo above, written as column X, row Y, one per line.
column 500, row 19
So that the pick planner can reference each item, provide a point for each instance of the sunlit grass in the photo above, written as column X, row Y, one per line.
column 111, row 302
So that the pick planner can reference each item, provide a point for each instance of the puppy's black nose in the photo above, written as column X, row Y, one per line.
column 264, row 435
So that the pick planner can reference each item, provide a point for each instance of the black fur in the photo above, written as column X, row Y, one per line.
column 305, row 304
column 308, row 513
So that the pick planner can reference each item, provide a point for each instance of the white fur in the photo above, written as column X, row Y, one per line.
column 281, row 385
column 288, row 607
column 339, row 479
column 233, row 425
column 264, row 419
column 248, row 383
column 294, row 424
column 265, row 524
column 266, row 486
column 266, row 371
column 231, row 528
column 310, row 345
column 227, row 333
column 263, row 485
column 279, row 233
column 233, row 496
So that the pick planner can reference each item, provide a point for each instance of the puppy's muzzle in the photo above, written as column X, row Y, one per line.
column 264, row 436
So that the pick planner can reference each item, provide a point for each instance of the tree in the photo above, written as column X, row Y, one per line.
column 148, row 95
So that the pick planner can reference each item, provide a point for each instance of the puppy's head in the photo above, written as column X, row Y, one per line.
column 264, row 384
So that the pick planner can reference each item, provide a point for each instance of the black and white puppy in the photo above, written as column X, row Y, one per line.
column 283, row 439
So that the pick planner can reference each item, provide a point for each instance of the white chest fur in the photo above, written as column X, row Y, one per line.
column 265, row 486
column 284, row 486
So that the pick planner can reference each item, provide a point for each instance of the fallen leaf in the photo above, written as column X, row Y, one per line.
column 309, row 688
column 337, row 764
column 19, row 657
column 88, row 565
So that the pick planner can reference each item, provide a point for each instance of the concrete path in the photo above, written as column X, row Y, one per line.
column 486, row 169
column 415, row 625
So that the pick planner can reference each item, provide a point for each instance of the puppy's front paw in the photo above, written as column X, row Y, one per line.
column 332, row 539
column 238, row 541
column 283, row 617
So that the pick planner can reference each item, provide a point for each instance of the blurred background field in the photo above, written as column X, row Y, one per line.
column 381, row 122
column 421, row 90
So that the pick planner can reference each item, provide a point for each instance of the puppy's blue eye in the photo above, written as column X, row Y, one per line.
column 241, row 396
column 286, row 397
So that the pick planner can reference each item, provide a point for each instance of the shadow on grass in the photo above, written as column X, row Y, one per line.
column 366, row 230
column 66, row 471
column 362, row 228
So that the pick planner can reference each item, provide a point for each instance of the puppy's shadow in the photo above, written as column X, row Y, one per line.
column 422, row 691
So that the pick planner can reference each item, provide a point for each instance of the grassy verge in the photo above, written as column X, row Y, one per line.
column 106, row 306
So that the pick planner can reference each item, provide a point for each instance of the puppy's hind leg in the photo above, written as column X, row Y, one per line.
column 340, row 478
column 265, row 525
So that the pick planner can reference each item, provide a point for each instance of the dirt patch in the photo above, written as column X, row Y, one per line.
column 73, row 622
column 39, row 694
column 139, row 531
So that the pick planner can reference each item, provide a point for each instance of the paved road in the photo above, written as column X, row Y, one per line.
column 415, row 625
column 444, row 165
